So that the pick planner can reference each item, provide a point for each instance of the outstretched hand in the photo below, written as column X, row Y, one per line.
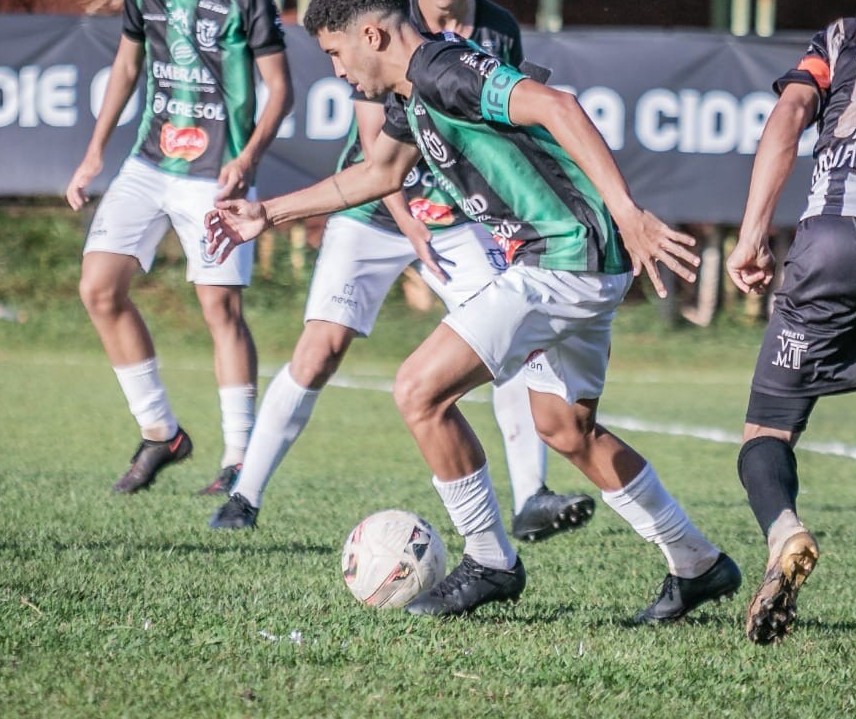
column 232, row 223
column 649, row 240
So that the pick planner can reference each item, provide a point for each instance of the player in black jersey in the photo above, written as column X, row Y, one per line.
column 809, row 348
column 197, row 140
column 526, row 161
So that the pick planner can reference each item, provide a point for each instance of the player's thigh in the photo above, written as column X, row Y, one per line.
column 355, row 268
column 130, row 219
column 470, row 257
column 188, row 202
column 526, row 311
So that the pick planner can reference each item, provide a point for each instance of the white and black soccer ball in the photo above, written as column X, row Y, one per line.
column 390, row 557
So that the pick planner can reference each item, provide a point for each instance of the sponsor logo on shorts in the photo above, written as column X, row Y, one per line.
column 345, row 298
column 184, row 143
column 497, row 260
column 793, row 345
column 208, row 259
column 431, row 213
column 533, row 363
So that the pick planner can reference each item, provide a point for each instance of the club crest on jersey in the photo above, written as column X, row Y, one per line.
column 436, row 148
column 207, row 32
column 184, row 143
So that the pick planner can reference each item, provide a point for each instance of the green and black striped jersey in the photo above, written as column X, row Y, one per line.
column 540, row 206
column 496, row 32
column 200, row 91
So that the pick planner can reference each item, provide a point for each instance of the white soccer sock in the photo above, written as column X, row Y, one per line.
column 147, row 399
column 285, row 411
column 525, row 453
column 238, row 412
column 473, row 509
column 657, row 517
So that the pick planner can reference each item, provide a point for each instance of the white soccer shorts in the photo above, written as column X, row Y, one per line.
column 555, row 324
column 137, row 209
column 358, row 264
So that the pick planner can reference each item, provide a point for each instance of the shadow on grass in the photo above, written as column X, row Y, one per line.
column 30, row 550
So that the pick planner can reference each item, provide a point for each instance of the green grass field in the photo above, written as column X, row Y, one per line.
column 130, row 607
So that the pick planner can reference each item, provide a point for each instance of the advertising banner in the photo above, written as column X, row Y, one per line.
column 682, row 111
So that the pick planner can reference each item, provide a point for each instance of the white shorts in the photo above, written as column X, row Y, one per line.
column 138, row 208
column 358, row 264
column 556, row 324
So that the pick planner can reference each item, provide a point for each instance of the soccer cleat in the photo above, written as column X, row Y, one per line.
column 678, row 596
column 223, row 482
column 469, row 586
column 237, row 513
column 150, row 458
column 545, row 513
column 773, row 609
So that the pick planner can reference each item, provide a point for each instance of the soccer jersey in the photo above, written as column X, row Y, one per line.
column 829, row 66
column 200, row 92
column 542, row 209
column 496, row 32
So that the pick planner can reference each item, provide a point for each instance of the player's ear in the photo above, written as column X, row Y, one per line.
column 374, row 36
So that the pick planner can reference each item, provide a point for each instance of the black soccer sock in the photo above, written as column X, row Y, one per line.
column 768, row 471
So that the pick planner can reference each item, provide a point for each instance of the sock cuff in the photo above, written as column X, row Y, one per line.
column 285, row 375
column 636, row 487
column 470, row 501
column 771, row 442
column 137, row 369
column 237, row 391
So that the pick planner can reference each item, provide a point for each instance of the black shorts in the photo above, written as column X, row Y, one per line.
column 809, row 348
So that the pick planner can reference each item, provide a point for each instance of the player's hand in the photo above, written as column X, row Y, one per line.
column 420, row 237
column 234, row 179
column 232, row 223
column 751, row 266
column 649, row 240
column 75, row 193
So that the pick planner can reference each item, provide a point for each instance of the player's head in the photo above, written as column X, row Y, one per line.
column 355, row 34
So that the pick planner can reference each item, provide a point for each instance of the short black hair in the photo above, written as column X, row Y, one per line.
column 334, row 15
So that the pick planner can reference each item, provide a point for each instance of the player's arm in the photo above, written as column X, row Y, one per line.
column 123, row 79
column 237, row 221
column 237, row 175
column 647, row 238
column 751, row 264
column 370, row 121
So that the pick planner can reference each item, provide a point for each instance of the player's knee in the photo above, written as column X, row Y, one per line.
column 98, row 297
column 573, row 439
column 409, row 392
column 314, row 367
column 222, row 311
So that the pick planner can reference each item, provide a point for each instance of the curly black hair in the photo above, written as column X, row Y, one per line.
column 334, row 15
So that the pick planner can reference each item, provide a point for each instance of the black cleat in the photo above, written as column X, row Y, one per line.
column 773, row 610
column 545, row 513
column 237, row 513
column 679, row 596
column 223, row 482
column 469, row 586
column 150, row 458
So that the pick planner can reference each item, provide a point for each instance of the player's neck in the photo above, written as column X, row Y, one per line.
column 457, row 16
column 402, row 46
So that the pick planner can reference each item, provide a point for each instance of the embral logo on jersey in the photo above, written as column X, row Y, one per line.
column 184, row 143
column 182, row 52
column 207, row 32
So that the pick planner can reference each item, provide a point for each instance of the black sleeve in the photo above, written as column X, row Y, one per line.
column 813, row 67
column 132, row 22
column 396, row 125
column 450, row 77
column 265, row 34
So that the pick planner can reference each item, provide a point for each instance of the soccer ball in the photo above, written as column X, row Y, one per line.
column 390, row 557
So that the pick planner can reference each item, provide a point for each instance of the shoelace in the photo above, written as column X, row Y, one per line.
column 668, row 586
column 464, row 573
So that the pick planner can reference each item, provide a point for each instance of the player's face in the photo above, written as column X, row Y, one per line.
column 355, row 59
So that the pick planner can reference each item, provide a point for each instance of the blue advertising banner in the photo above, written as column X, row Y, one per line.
column 682, row 111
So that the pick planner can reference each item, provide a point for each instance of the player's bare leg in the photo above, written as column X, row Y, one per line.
column 698, row 571
column 284, row 413
column 427, row 387
column 104, row 289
